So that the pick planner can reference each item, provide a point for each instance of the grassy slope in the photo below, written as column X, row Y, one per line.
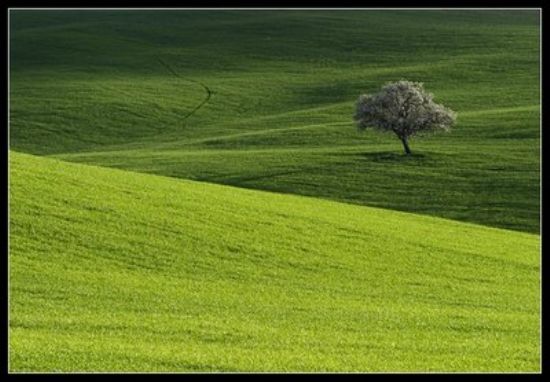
column 90, row 88
column 113, row 270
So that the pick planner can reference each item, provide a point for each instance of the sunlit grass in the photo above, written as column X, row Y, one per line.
column 118, row 271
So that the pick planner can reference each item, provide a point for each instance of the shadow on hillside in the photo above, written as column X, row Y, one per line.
column 392, row 157
column 240, row 180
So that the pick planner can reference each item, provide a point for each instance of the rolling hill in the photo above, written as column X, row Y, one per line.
column 121, row 89
column 118, row 271
column 188, row 193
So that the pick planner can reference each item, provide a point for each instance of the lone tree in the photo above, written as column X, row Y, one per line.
column 405, row 108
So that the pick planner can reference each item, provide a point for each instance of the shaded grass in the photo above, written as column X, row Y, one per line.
column 93, row 91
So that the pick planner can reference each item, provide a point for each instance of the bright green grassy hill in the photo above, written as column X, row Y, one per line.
column 277, row 91
column 118, row 271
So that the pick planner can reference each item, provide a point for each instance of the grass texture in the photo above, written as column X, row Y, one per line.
column 188, row 192
column 275, row 93
column 116, row 271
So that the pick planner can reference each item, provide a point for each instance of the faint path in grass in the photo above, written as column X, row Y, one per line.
column 220, row 138
column 206, row 88
column 172, row 142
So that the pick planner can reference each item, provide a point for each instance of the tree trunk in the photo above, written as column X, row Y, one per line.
column 406, row 146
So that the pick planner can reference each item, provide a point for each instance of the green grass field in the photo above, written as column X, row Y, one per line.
column 119, row 271
column 377, row 262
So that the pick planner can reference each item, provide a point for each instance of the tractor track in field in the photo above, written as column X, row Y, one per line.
column 206, row 88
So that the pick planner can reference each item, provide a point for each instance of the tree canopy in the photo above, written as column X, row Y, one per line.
column 404, row 108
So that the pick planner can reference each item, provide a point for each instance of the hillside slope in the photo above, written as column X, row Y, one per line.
column 118, row 271
column 276, row 91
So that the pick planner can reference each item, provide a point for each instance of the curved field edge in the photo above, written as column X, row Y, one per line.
column 118, row 271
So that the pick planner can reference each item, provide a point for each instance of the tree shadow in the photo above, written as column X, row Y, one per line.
column 240, row 180
column 393, row 157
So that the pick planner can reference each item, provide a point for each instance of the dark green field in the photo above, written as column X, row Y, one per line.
column 264, row 100
column 90, row 88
